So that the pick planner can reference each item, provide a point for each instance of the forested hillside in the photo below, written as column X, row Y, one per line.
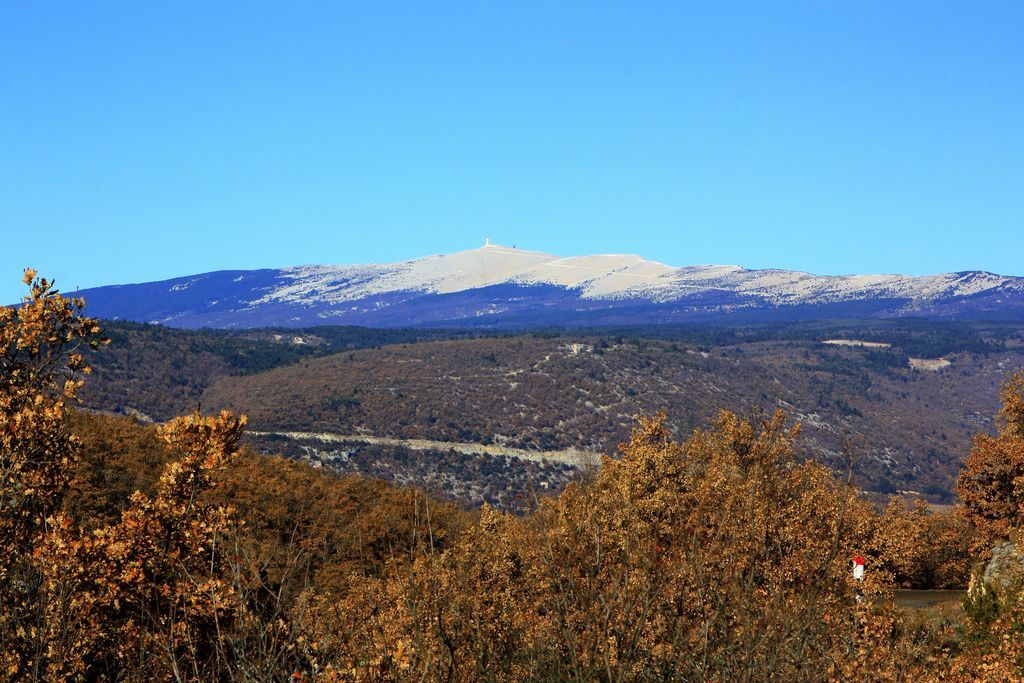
column 162, row 371
column 905, row 428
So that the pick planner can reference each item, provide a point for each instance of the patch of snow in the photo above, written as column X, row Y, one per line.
column 605, row 276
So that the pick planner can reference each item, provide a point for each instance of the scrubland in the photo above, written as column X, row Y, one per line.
column 138, row 552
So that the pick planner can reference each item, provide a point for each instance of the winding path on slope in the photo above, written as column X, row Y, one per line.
column 568, row 456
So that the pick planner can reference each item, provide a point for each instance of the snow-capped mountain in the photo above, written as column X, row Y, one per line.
column 504, row 286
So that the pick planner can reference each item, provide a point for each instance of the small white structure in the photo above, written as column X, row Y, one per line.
column 858, row 568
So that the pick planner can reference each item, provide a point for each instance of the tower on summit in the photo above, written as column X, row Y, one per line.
column 487, row 241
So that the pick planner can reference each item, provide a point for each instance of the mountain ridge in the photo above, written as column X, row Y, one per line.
column 496, row 285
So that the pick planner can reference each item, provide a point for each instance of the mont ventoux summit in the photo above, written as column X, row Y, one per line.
column 499, row 286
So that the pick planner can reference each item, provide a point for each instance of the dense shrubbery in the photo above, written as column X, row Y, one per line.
column 990, row 487
column 40, row 370
column 141, row 553
column 992, row 484
column 720, row 558
column 185, row 580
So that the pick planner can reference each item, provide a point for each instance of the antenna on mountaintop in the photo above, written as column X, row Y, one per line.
column 487, row 241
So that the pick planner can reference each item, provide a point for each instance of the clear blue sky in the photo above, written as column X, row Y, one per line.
column 145, row 140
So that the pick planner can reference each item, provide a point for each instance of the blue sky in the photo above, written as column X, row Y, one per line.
column 145, row 140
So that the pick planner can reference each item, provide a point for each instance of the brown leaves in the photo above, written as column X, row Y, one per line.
column 991, row 486
column 149, row 587
column 86, row 605
column 721, row 557
column 39, row 373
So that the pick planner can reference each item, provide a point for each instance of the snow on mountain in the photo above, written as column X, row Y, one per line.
column 785, row 286
column 608, row 276
column 502, row 285
column 600, row 276
column 441, row 274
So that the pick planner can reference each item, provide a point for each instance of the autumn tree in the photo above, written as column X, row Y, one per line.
column 40, row 372
column 149, row 594
column 142, row 598
column 718, row 558
column 991, row 485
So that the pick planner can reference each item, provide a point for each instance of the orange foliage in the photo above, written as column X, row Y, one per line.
column 40, row 371
column 991, row 485
column 142, row 598
column 992, row 489
column 721, row 557
column 153, row 582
